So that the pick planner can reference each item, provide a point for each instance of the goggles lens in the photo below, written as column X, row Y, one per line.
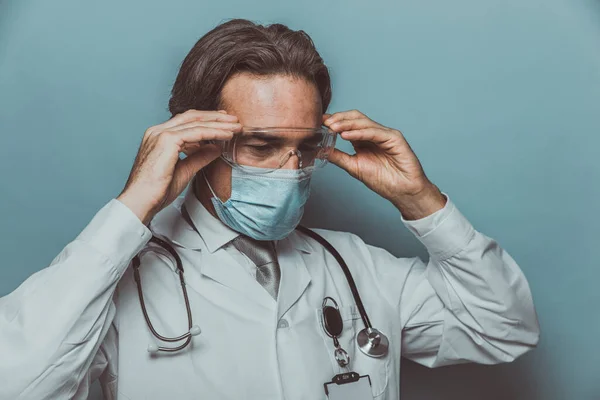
column 271, row 148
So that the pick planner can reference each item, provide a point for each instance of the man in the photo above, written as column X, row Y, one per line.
column 262, row 322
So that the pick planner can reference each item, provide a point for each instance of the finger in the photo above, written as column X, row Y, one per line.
column 344, row 161
column 198, row 134
column 190, row 148
column 351, row 124
column 325, row 117
column 374, row 135
column 352, row 114
column 230, row 126
column 198, row 115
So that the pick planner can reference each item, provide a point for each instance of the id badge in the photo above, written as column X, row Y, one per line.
column 349, row 386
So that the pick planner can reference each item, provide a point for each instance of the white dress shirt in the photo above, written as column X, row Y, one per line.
column 80, row 319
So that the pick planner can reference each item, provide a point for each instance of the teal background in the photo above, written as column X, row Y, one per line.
column 499, row 99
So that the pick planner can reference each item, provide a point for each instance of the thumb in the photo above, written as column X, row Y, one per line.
column 194, row 162
column 345, row 161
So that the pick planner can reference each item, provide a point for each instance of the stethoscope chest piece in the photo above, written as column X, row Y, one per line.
column 372, row 342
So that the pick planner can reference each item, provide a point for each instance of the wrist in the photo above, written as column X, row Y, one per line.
column 142, row 211
column 420, row 204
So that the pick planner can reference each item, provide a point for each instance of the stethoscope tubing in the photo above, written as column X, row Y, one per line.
column 138, row 281
column 188, row 335
column 357, row 299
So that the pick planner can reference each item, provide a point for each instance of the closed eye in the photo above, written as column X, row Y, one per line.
column 260, row 146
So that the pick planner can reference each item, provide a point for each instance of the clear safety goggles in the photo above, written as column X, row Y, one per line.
column 263, row 150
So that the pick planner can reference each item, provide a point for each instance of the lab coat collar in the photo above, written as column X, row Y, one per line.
column 295, row 276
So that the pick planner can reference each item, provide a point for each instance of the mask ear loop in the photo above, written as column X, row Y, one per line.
column 210, row 187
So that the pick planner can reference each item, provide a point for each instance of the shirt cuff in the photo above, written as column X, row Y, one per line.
column 116, row 232
column 444, row 233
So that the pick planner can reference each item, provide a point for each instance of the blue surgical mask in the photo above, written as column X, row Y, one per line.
column 264, row 206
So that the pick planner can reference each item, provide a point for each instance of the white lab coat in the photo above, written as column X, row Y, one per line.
column 80, row 319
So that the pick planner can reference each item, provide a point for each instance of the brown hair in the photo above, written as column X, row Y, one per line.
column 240, row 45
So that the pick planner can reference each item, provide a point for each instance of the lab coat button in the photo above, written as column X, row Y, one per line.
column 283, row 324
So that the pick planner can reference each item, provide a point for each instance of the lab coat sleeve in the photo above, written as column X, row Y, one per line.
column 53, row 325
column 469, row 303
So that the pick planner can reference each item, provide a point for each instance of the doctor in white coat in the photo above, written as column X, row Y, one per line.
column 80, row 318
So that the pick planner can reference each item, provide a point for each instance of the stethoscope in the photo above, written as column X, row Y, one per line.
column 370, row 341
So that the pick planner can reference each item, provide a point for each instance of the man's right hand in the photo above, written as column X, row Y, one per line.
column 158, row 175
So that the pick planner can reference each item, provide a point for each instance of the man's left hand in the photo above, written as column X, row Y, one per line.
column 385, row 163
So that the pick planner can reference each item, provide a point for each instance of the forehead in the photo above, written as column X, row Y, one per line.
column 272, row 101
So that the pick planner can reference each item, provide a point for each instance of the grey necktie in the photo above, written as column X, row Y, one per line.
column 263, row 255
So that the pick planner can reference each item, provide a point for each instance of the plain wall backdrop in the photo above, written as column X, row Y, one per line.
column 499, row 99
